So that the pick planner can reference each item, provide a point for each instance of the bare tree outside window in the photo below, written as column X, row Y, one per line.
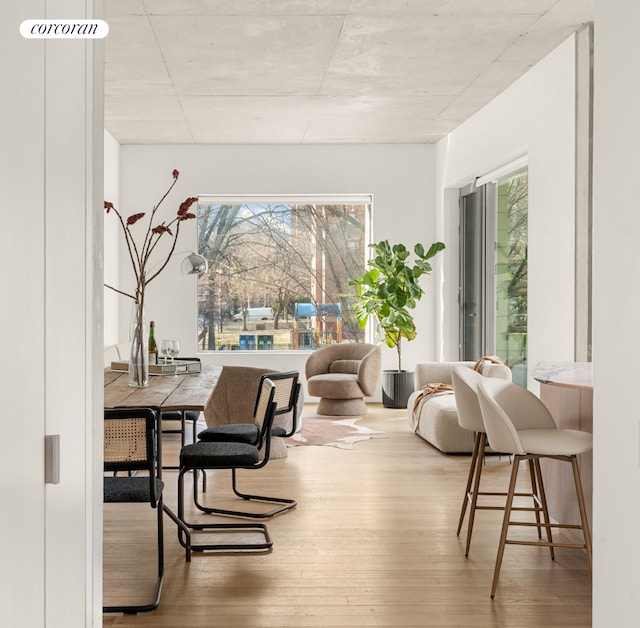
column 279, row 272
column 511, row 267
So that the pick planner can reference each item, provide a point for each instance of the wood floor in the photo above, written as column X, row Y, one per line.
column 372, row 543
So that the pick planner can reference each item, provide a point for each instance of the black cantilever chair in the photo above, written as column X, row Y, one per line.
column 287, row 391
column 230, row 455
column 130, row 445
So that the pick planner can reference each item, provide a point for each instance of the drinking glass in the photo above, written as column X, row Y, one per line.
column 174, row 349
column 165, row 350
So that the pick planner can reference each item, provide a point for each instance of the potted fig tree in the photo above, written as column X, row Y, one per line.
column 388, row 291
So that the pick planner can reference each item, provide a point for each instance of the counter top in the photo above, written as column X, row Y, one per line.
column 568, row 374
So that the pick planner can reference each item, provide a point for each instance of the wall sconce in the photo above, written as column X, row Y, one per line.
column 194, row 264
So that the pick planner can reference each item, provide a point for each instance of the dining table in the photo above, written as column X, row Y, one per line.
column 165, row 393
column 182, row 392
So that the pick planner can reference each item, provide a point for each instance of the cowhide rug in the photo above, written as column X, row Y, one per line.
column 341, row 432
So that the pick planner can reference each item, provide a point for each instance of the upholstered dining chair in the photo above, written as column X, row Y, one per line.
column 517, row 422
column 287, row 391
column 465, row 386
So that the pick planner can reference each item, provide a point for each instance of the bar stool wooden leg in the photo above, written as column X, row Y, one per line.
column 534, row 495
column 505, row 522
column 545, row 508
column 476, row 489
column 583, row 511
column 472, row 470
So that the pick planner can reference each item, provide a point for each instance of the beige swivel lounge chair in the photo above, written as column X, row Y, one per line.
column 342, row 375
column 517, row 422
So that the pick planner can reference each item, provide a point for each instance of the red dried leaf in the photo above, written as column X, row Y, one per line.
column 186, row 216
column 108, row 205
column 186, row 204
column 134, row 218
column 160, row 229
column 175, row 174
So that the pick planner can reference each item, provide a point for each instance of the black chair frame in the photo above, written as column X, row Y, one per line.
column 286, row 401
column 142, row 489
column 194, row 458
column 126, row 487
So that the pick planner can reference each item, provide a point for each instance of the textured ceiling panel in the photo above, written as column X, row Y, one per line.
column 318, row 71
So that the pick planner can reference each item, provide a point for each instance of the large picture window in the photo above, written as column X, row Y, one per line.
column 279, row 271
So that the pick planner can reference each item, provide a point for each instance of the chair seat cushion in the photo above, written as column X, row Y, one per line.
column 555, row 442
column 120, row 489
column 231, row 432
column 334, row 386
column 205, row 455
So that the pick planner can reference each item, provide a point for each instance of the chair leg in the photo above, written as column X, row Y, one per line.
column 545, row 507
column 476, row 489
column 505, row 523
column 534, row 494
column 473, row 492
column 182, row 430
column 182, row 528
column 546, row 524
column 261, row 547
column 472, row 469
column 583, row 511
column 145, row 608
column 286, row 504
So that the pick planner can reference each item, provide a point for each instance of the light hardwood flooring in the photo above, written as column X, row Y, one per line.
column 372, row 542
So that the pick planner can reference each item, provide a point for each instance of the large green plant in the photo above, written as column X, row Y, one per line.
column 391, row 288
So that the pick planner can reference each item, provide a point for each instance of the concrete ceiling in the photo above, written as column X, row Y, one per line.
column 318, row 71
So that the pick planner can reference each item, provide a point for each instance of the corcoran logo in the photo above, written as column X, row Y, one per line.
column 64, row 29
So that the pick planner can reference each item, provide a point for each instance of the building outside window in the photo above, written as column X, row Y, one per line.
column 279, row 271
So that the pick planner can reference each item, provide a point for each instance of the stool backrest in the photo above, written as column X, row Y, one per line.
column 508, row 408
column 465, row 388
column 465, row 385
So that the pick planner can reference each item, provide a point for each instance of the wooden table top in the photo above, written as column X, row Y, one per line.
column 165, row 392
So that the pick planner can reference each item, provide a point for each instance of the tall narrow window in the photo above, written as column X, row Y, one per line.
column 493, row 271
column 279, row 271
column 511, row 272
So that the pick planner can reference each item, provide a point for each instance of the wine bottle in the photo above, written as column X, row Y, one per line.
column 153, row 347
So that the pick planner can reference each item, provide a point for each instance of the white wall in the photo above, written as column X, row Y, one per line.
column 51, row 271
column 616, row 299
column 536, row 116
column 112, row 235
column 399, row 176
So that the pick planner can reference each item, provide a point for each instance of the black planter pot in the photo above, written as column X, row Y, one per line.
column 397, row 387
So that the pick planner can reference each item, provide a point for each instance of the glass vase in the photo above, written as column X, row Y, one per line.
column 139, row 352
